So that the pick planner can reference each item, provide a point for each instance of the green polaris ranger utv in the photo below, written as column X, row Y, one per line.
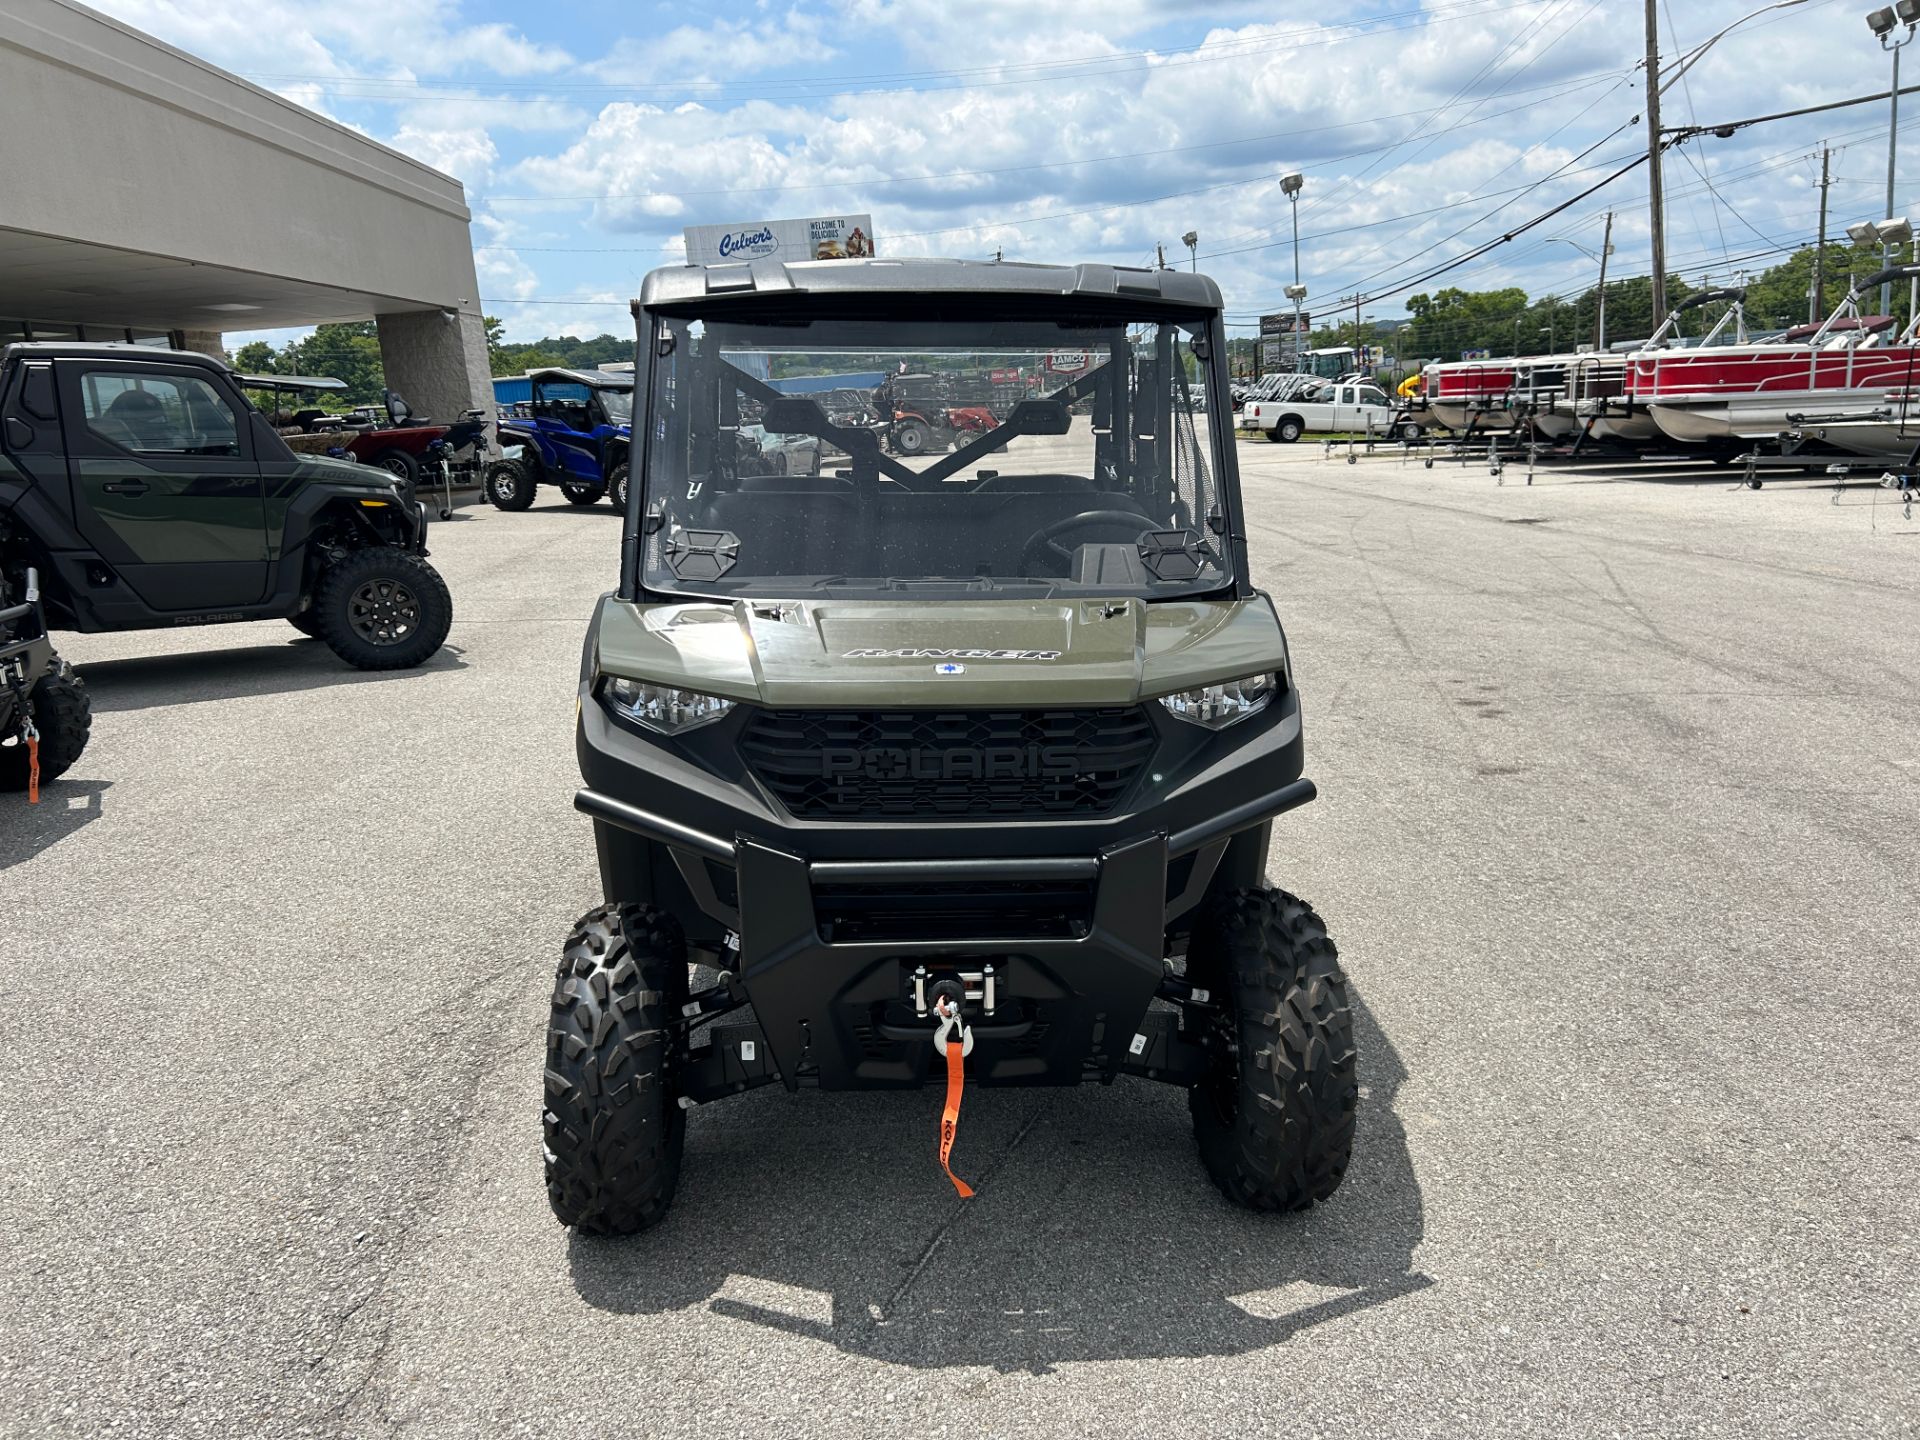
column 959, row 767
column 147, row 492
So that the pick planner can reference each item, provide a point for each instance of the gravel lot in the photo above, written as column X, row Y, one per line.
column 1617, row 834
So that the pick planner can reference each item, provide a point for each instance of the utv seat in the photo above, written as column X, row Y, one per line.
column 805, row 527
column 138, row 420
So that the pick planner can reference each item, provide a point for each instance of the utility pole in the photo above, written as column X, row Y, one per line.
column 1600, row 318
column 1161, row 252
column 1818, row 306
column 1656, row 197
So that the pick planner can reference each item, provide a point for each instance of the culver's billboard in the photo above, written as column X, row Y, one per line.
column 830, row 237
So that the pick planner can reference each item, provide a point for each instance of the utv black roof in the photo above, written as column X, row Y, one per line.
column 598, row 379
column 682, row 284
column 290, row 382
column 106, row 350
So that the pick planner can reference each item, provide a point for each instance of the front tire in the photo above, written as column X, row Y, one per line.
column 382, row 609
column 613, row 1125
column 63, row 715
column 581, row 494
column 1274, row 1117
column 509, row 485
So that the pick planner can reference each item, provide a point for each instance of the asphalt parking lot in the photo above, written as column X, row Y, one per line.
column 1617, row 832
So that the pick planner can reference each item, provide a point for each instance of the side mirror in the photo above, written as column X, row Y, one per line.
column 19, row 433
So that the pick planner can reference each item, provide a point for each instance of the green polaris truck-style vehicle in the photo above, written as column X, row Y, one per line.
column 147, row 492
column 959, row 767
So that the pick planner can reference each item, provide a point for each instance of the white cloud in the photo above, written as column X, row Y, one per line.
column 468, row 154
column 718, row 51
column 1036, row 84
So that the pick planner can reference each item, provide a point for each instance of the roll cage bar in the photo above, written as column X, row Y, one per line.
column 802, row 415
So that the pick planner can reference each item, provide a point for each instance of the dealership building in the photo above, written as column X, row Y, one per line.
column 151, row 197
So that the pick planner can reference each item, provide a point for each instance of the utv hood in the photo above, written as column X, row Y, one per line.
column 370, row 478
column 938, row 653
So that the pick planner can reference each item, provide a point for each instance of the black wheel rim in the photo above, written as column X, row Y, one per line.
column 1222, row 1083
column 383, row 612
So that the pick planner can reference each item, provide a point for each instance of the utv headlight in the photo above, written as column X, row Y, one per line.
column 662, row 707
column 1218, row 706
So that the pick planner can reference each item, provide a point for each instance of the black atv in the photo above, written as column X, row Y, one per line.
column 45, row 715
column 148, row 492
column 958, row 768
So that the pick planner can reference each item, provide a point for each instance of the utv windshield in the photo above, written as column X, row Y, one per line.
column 874, row 457
column 619, row 405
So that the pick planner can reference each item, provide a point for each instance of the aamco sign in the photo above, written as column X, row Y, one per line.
column 826, row 237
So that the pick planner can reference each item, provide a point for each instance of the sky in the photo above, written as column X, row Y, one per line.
column 588, row 134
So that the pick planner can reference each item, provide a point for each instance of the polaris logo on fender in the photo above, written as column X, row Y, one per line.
column 951, row 655
column 987, row 762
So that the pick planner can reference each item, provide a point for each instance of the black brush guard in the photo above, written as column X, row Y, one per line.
column 838, row 1013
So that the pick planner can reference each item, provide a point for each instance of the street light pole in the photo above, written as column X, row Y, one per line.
column 1606, row 249
column 1893, row 150
column 1192, row 241
column 1290, row 187
column 1883, row 22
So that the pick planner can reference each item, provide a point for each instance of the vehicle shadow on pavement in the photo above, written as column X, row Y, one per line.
column 1095, row 1235
column 65, row 805
column 143, row 682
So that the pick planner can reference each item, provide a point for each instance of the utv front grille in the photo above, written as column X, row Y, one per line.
column 947, row 764
column 850, row 914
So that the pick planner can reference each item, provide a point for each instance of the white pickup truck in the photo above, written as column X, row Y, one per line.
column 1334, row 408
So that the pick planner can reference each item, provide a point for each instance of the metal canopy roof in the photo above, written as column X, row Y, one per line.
column 71, row 282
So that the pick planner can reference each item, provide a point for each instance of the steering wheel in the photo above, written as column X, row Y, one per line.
column 1042, row 540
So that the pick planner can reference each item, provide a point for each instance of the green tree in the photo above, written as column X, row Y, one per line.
column 256, row 357
column 350, row 353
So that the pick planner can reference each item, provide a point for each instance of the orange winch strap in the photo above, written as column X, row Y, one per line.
column 33, row 768
column 950, row 1117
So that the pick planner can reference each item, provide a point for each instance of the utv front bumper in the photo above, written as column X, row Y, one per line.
column 844, row 929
